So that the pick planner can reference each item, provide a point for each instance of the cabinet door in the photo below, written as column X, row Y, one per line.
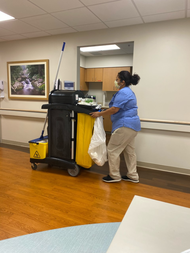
column 110, row 76
column 98, row 75
column 83, row 84
column 107, row 123
column 89, row 75
column 93, row 75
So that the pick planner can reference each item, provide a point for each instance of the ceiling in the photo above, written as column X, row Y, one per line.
column 38, row 18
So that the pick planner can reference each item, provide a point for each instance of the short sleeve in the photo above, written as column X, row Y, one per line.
column 120, row 100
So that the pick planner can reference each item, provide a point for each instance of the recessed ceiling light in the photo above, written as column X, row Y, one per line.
column 4, row 16
column 99, row 48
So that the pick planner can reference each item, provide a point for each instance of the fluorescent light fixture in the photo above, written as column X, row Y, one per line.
column 99, row 48
column 4, row 16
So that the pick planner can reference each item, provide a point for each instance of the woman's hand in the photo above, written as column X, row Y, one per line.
column 108, row 112
column 95, row 114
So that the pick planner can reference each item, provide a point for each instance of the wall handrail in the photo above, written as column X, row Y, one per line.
column 166, row 121
column 142, row 120
column 21, row 110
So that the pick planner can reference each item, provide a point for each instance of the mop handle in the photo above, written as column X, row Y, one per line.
column 59, row 62
column 41, row 137
column 45, row 122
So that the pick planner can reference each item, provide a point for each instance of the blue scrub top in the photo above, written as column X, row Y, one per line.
column 127, row 116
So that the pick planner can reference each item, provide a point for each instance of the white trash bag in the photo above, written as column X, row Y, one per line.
column 97, row 148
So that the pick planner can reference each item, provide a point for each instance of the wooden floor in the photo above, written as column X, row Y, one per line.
column 48, row 198
column 151, row 177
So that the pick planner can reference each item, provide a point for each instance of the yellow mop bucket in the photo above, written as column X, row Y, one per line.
column 85, row 124
column 39, row 148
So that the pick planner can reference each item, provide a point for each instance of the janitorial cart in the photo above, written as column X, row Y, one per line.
column 69, row 132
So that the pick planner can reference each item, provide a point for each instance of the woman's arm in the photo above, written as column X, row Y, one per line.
column 109, row 111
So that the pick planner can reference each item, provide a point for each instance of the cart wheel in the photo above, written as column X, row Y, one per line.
column 74, row 172
column 33, row 166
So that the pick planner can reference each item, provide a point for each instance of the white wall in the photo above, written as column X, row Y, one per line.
column 161, row 57
column 82, row 61
column 109, row 61
column 162, row 60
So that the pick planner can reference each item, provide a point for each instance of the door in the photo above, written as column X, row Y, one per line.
column 83, row 84
column 59, row 133
column 93, row 75
column 98, row 75
column 89, row 75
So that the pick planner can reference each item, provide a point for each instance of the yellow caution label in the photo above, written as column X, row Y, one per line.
column 36, row 155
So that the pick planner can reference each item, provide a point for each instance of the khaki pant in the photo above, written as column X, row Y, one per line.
column 122, row 140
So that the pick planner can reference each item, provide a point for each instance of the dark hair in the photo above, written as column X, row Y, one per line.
column 128, row 78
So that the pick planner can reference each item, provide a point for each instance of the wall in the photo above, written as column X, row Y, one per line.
column 82, row 61
column 161, row 57
column 109, row 61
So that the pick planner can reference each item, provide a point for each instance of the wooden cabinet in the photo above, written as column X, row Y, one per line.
column 105, row 75
column 110, row 76
column 83, row 85
column 94, row 75
column 107, row 123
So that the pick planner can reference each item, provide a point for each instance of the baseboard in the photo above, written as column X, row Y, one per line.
column 164, row 168
column 15, row 143
column 139, row 164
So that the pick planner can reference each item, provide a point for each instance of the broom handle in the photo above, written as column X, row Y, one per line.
column 59, row 63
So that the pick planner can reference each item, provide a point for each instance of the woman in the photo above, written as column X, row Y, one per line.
column 125, row 126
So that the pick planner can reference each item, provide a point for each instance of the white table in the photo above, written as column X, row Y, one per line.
column 151, row 226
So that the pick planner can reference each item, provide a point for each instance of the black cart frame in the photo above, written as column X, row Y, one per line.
column 62, row 125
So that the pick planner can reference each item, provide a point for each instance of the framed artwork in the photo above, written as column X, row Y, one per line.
column 28, row 80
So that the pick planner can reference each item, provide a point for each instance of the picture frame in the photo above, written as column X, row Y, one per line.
column 28, row 80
